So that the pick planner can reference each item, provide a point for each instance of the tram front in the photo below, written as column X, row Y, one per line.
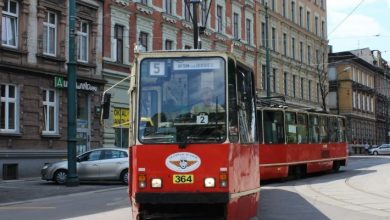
column 182, row 161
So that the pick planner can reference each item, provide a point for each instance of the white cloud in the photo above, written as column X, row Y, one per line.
column 348, row 5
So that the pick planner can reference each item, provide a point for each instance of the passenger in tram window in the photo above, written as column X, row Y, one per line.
column 209, row 103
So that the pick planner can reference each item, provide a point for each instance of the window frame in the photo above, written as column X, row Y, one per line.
column 83, row 48
column 7, row 100
column 219, row 19
column 46, row 112
column 119, row 49
column 48, row 25
column 8, row 14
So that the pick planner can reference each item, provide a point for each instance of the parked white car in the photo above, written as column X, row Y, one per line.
column 382, row 149
column 97, row 164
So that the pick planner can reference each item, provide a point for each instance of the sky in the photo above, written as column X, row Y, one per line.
column 367, row 26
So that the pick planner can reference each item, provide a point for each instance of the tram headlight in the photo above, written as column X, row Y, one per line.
column 156, row 183
column 141, row 180
column 209, row 182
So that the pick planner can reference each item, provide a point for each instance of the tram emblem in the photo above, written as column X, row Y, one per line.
column 183, row 162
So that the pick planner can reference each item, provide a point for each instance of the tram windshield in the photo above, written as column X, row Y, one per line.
column 182, row 100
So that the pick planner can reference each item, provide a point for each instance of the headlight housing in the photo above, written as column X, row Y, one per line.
column 156, row 183
column 209, row 182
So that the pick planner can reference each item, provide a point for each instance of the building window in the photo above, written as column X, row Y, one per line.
column 145, row 2
column 274, row 80
column 316, row 25
column 187, row 47
column 235, row 26
column 248, row 30
column 317, row 57
column 264, row 74
column 83, row 42
column 50, row 34
column 284, row 8
column 219, row 19
column 8, row 108
column 285, row 44
column 143, row 39
column 301, row 50
column 293, row 47
column 294, row 87
column 309, row 90
column 318, row 92
column 300, row 16
column 168, row 45
column 50, row 112
column 293, row 12
column 309, row 55
column 168, row 6
column 263, row 34
column 119, row 43
column 273, row 33
column 273, row 5
column 9, row 27
column 187, row 14
column 204, row 6
column 308, row 21
column 285, row 84
column 302, row 88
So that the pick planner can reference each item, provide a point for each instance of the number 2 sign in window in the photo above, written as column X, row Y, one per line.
column 157, row 68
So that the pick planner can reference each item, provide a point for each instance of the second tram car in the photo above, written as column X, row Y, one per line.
column 295, row 142
column 193, row 148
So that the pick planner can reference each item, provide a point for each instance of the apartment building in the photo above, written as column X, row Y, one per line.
column 33, row 72
column 358, row 91
column 297, row 39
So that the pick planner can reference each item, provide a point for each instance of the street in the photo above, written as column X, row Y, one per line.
column 360, row 191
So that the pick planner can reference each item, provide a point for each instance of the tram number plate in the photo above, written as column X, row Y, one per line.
column 183, row 179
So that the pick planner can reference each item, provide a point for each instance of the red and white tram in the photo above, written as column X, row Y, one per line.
column 295, row 142
column 190, row 162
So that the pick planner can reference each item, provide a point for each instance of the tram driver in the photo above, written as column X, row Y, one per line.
column 208, row 104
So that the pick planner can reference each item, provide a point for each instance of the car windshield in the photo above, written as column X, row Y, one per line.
column 182, row 100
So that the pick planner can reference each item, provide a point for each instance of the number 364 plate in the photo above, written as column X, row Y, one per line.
column 183, row 179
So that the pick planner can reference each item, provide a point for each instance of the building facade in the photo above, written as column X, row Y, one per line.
column 358, row 90
column 33, row 72
column 297, row 39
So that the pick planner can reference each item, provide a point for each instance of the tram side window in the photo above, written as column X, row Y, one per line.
column 314, row 129
column 323, row 129
column 233, row 119
column 302, row 129
column 341, row 130
column 333, row 129
column 291, row 127
column 273, row 127
column 246, row 106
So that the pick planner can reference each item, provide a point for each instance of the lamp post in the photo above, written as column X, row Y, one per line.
column 72, row 178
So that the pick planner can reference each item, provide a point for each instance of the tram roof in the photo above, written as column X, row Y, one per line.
column 194, row 52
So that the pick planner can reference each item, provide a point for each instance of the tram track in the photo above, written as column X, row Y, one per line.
column 347, row 192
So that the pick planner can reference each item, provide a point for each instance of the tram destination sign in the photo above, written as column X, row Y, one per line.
column 196, row 64
column 60, row 82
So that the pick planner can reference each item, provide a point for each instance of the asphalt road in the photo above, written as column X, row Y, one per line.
column 360, row 191
column 45, row 201
column 34, row 188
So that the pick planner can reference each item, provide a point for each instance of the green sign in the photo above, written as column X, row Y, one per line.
column 59, row 82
